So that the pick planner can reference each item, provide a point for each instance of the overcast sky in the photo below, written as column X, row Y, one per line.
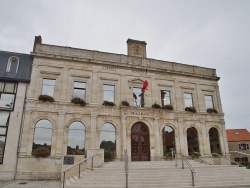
column 207, row 33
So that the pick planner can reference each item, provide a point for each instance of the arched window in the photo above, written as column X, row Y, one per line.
column 76, row 139
column 42, row 135
column 214, row 141
column 107, row 137
column 192, row 140
column 168, row 139
column 12, row 66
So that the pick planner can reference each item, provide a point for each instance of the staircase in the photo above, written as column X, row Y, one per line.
column 161, row 174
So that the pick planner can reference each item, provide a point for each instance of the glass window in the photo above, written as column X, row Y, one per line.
column 1, row 86
column 109, row 93
column 13, row 66
column 42, row 135
column 188, row 99
column 76, row 139
column 107, row 137
column 138, row 97
column 7, row 100
column 165, row 97
column 48, row 87
column 10, row 88
column 209, row 101
column 2, row 146
column 79, row 90
column 4, row 118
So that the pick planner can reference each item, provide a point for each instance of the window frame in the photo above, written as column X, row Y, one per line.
column 140, row 96
column 10, row 106
column 206, row 101
column 78, row 88
column 9, row 64
column 103, row 91
column 162, row 98
column 192, row 99
column 42, row 92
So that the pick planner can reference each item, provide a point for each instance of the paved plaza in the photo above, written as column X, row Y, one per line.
column 31, row 184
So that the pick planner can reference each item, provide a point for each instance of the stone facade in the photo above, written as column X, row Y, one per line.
column 67, row 65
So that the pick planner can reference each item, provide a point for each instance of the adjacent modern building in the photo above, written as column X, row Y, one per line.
column 238, row 143
column 15, row 71
column 81, row 100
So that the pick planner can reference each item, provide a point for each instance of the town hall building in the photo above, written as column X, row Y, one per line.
column 80, row 100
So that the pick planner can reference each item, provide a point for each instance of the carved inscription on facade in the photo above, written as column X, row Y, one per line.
column 138, row 72
column 140, row 113
column 109, row 68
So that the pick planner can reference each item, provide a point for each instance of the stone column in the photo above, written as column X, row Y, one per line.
column 25, row 133
column 182, row 138
column 59, row 135
column 223, row 140
column 118, row 145
column 205, row 138
column 93, row 131
column 123, row 136
column 157, row 137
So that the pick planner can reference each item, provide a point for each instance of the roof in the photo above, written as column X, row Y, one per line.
column 234, row 135
column 24, row 67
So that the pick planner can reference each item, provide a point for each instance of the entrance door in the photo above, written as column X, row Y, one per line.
column 140, row 142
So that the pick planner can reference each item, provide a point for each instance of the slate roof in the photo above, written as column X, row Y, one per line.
column 24, row 69
column 234, row 135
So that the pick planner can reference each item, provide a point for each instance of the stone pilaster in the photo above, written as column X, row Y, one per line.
column 59, row 134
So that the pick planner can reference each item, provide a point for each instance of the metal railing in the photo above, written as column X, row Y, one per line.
column 220, row 156
column 183, row 159
column 126, row 166
column 239, row 153
column 79, row 168
column 203, row 161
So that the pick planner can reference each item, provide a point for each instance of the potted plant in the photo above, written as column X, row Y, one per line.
column 155, row 105
column 125, row 103
column 168, row 107
column 190, row 109
column 212, row 110
column 41, row 152
column 45, row 98
column 78, row 100
column 108, row 103
column 108, row 156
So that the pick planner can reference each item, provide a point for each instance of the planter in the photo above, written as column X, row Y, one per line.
column 124, row 103
column 41, row 152
column 155, row 105
column 168, row 107
column 108, row 103
column 77, row 100
column 212, row 110
column 46, row 98
column 190, row 109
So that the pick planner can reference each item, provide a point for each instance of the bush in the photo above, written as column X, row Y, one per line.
column 212, row 110
column 168, row 156
column 195, row 154
column 45, row 98
column 108, row 156
column 190, row 109
column 125, row 103
column 155, row 105
column 108, row 103
column 168, row 107
column 41, row 152
column 78, row 100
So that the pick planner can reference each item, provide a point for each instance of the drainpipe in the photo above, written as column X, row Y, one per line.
column 20, row 130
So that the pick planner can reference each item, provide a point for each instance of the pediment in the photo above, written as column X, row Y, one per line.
column 137, row 80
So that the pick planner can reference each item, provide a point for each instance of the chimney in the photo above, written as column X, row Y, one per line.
column 38, row 40
column 136, row 48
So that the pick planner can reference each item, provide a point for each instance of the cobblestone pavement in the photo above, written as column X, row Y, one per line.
column 31, row 184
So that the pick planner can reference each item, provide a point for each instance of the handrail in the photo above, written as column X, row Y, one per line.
column 203, row 161
column 78, row 163
column 220, row 156
column 240, row 153
column 186, row 161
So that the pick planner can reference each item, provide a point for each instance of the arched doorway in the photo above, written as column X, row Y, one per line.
column 214, row 141
column 140, row 145
column 168, row 140
column 192, row 140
